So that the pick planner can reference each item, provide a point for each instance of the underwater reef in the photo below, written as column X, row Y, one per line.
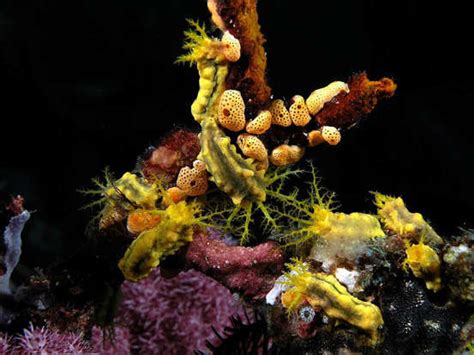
column 225, row 240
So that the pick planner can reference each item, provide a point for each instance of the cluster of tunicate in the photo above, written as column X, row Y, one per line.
column 231, row 116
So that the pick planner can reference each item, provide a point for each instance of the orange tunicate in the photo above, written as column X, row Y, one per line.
column 174, row 195
column 299, row 112
column 252, row 147
column 285, row 154
column 320, row 97
column 260, row 124
column 140, row 220
column 193, row 181
column 231, row 47
column 315, row 137
column 280, row 115
column 232, row 111
column 331, row 135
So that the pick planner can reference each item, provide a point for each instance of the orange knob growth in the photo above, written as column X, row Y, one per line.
column 140, row 220
column 285, row 154
column 315, row 138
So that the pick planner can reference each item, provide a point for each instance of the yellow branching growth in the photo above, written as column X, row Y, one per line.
column 324, row 291
column 196, row 43
column 300, row 214
column 238, row 218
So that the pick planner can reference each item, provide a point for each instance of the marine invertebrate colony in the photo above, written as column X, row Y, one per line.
column 235, row 183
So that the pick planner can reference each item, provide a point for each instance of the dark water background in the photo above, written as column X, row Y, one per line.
column 86, row 84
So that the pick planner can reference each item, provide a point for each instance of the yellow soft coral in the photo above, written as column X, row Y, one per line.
column 425, row 263
column 336, row 225
column 324, row 291
column 398, row 219
column 210, row 57
column 172, row 232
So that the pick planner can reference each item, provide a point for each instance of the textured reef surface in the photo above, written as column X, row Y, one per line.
column 225, row 241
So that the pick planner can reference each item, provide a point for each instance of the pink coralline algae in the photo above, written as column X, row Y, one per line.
column 175, row 316
column 251, row 270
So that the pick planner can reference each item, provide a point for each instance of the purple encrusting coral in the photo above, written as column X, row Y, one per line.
column 174, row 316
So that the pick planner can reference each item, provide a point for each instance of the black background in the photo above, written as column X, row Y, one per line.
column 89, row 84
